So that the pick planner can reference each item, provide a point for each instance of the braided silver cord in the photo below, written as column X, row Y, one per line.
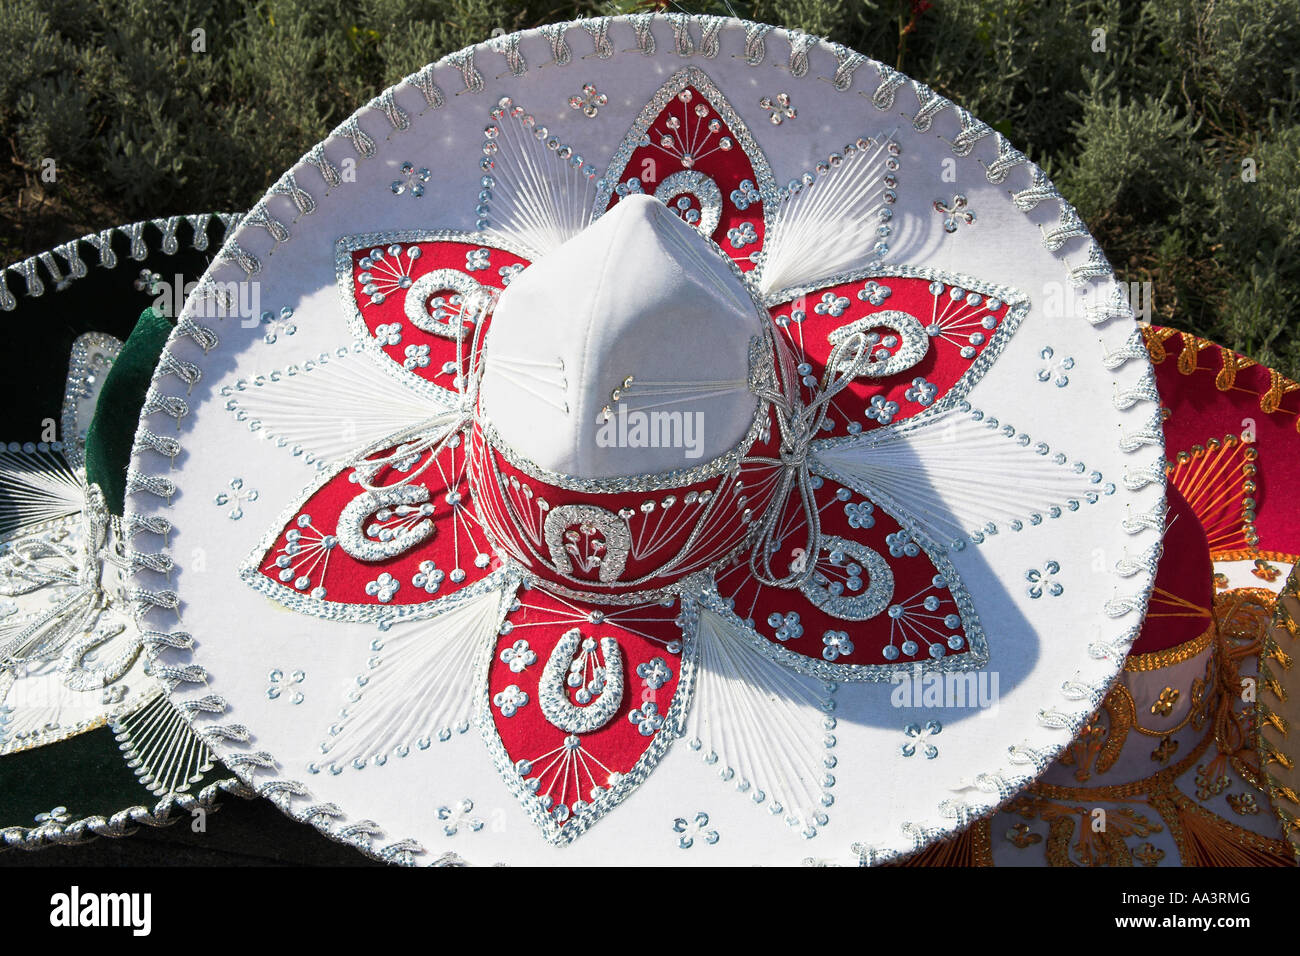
column 598, row 28
column 423, row 81
column 930, row 105
column 800, row 44
column 464, row 63
column 124, row 822
column 386, row 103
column 755, row 42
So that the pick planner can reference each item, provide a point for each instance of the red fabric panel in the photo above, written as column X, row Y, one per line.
column 941, row 366
column 913, row 582
column 1209, row 392
column 728, row 168
column 1180, row 605
column 455, row 544
column 643, row 633
column 397, row 267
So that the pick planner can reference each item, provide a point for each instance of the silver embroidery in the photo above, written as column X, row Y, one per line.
column 851, row 607
column 447, row 320
column 604, row 690
column 755, row 43
column 409, row 503
column 569, row 547
column 915, row 343
column 689, row 182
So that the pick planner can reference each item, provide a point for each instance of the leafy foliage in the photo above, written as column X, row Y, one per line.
column 1148, row 115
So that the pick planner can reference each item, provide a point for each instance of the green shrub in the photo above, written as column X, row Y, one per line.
column 1146, row 133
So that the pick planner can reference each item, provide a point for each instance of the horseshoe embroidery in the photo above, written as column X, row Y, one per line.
column 604, row 688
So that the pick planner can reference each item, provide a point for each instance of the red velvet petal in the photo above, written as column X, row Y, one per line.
column 380, row 286
column 691, row 137
column 957, row 331
column 1211, row 395
column 610, row 756
column 308, row 568
column 942, row 624
column 1180, row 606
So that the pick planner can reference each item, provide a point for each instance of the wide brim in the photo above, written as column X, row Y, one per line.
column 884, row 795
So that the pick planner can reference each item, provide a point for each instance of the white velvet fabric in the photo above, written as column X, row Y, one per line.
column 640, row 293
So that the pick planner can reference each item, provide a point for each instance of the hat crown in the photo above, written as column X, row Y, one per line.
column 624, row 352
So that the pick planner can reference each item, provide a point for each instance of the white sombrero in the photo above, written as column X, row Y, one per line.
column 698, row 443
column 74, row 660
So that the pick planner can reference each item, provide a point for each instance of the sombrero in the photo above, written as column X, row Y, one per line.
column 684, row 453
column 89, row 743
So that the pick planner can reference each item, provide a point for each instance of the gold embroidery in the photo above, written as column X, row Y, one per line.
column 1192, row 347
column 1278, row 388
column 1265, row 571
column 1022, row 836
column 1243, row 803
column 1276, row 748
column 1164, row 705
column 1148, row 854
column 1218, row 481
column 1154, row 338
column 1101, row 840
column 1227, row 745
column 1232, row 364
column 1164, row 750
column 1157, row 660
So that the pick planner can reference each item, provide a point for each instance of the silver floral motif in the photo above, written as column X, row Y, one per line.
column 277, row 325
column 875, row 293
column 923, row 736
column 742, row 235
column 459, row 814
column 509, row 700
column 882, row 410
column 417, row 356
column 836, row 644
column 236, row 498
column 745, row 195
column 1043, row 580
column 647, row 718
column 697, row 827
column 589, row 102
column 1056, row 369
column 56, row 816
column 383, row 588
column 389, row 333
column 429, row 577
column 778, row 109
column 921, row 391
column 831, row 305
column 519, row 656
column 954, row 213
column 285, row 685
column 412, row 181
column 654, row 672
